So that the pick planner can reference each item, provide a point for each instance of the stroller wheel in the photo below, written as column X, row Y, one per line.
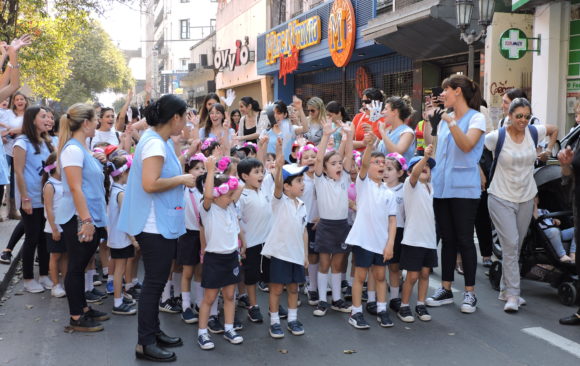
column 496, row 246
column 495, row 275
column 567, row 293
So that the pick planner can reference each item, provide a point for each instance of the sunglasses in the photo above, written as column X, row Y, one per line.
column 521, row 115
column 311, row 110
column 366, row 101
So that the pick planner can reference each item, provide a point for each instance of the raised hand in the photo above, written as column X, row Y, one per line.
column 429, row 151
column 3, row 48
column 327, row 127
column 210, row 164
column 263, row 142
column 279, row 152
column 375, row 109
column 369, row 139
column 230, row 97
column 23, row 41
column 297, row 103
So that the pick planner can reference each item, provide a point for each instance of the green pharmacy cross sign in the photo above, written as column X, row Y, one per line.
column 513, row 44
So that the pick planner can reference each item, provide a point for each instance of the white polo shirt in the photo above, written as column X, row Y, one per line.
column 221, row 228
column 398, row 192
column 192, row 197
column 309, row 198
column 420, row 218
column 332, row 196
column 375, row 204
column 286, row 239
column 256, row 212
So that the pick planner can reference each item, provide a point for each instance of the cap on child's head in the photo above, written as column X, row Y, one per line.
column 290, row 170
column 416, row 159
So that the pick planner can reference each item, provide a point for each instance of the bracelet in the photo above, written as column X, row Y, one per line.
column 13, row 66
column 26, row 199
column 87, row 221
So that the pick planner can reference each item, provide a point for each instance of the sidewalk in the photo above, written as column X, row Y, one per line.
column 7, row 271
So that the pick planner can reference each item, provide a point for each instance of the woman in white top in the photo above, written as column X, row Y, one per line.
column 18, row 104
column 106, row 132
column 512, row 191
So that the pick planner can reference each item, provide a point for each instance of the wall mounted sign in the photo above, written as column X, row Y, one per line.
column 362, row 80
column 513, row 44
column 241, row 55
column 288, row 64
column 341, row 32
column 297, row 35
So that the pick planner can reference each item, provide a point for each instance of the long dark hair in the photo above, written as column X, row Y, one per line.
column 218, row 107
column 469, row 88
column 164, row 109
column 337, row 108
column 29, row 129
column 204, row 111
column 45, row 175
column 252, row 103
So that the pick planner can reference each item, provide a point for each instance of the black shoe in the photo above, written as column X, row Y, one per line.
column 341, row 306
column 124, row 309
column 255, row 315
column 85, row 324
column 422, row 313
column 405, row 314
column 395, row 304
column 97, row 315
column 91, row 298
column 263, row 286
column 343, row 285
column 321, row 308
column 169, row 307
column 282, row 312
column 244, row 302
column 440, row 297
column 101, row 295
column 6, row 257
column 573, row 319
column 371, row 307
column 133, row 292
column 214, row 325
column 358, row 321
column 153, row 352
column 166, row 341
column 384, row 319
column 177, row 302
column 313, row 298
column 348, row 293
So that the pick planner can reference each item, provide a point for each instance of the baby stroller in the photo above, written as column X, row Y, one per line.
column 538, row 259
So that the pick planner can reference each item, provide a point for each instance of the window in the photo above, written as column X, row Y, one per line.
column 183, row 63
column 184, row 28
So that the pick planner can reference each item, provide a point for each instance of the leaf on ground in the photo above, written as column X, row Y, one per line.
column 55, row 320
column 451, row 334
column 407, row 328
column 29, row 306
column 37, row 319
column 349, row 351
column 283, row 351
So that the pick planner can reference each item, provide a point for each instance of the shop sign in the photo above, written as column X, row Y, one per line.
column 288, row 64
column 299, row 35
column 232, row 58
column 363, row 80
column 341, row 32
column 516, row 4
column 573, row 86
column 513, row 44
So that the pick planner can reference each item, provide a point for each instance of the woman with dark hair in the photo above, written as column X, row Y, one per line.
column 280, row 126
column 511, row 201
column 106, row 132
column 338, row 115
column 364, row 118
column 208, row 101
column 397, row 137
column 31, row 150
column 217, row 126
column 82, row 212
column 250, row 128
column 152, row 211
column 235, row 117
column 506, row 100
column 457, row 186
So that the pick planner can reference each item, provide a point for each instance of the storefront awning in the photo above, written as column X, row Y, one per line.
column 420, row 30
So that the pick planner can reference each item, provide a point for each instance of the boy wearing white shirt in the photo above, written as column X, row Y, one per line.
column 287, row 244
column 373, row 234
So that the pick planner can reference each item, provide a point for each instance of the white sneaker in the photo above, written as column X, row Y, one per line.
column 503, row 297
column 46, row 282
column 511, row 305
column 33, row 286
column 58, row 291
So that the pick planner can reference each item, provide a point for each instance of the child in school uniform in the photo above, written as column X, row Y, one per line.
column 52, row 195
column 122, row 245
column 221, row 266
column 395, row 175
column 419, row 244
column 189, row 244
column 373, row 234
column 287, row 244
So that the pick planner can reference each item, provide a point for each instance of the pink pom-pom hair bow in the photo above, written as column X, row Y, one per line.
column 231, row 185
column 307, row 147
column 400, row 159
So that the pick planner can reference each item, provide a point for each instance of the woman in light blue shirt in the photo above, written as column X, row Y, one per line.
column 396, row 135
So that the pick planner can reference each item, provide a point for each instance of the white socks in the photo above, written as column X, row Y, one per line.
column 372, row 296
column 228, row 327
column 394, row 292
column 166, row 295
column 356, row 309
column 313, row 274
column 322, row 285
column 197, row 292
column 336, row 289
column 292, row 315
column 275, row 318
column 110, row 277
column 381, row 306
column 118, row 302
column 105, row 271
column 186, row 297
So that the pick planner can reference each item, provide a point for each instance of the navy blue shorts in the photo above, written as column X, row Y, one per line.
column 311, row 238
column 284, row 272
column 188, row 248
column 397, row 248
column 220, row 270
column 256, row 267
column 364, row 258
column 123, row 253
column 55, row 246
column 416, row 258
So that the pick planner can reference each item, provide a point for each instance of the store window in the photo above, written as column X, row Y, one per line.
column 183, row 63
column 184, row 28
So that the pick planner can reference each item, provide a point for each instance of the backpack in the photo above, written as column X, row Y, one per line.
column 501, row 139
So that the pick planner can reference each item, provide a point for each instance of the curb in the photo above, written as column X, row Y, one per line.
column 10, row 273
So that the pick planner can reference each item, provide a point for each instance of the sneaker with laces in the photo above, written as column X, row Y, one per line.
column 395, row 304
column 341, row 306
column 96, row 315
column 33, row 287
column 469, row 304
column 124, row 309
column 129, row 302
column 276, row 331
column 244, row 302
column 384, row 319
column 358, row 321
column 487, row 262
column 101, row 295
column 503, row 297
column 58, row 291
column 422, row 313
column 204, row 341
column 321, row 308
column 295, row 327
column 6, row 257
column 371, row 307
column 313, row 298
column 282, row 312
column 85, row 324
column 177, row 302
column 255, row 315
column 189, row 316
column 511, row 305
column 46, row 282
column 441, row 297
column 110, row 288
column 169, row 307
column 263, row 286
column 405, row 314
column 214, row 325
column 237, row 324
column 233, row 337
column 91, row 297
column 133, row 292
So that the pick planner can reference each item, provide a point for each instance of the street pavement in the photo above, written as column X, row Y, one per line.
column 32, row 333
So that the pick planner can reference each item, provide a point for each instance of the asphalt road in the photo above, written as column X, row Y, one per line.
column 32, row 333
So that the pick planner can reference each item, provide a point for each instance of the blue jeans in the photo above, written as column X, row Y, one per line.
column 557, row 236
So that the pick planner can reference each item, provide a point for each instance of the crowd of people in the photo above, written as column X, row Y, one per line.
column 221, row 204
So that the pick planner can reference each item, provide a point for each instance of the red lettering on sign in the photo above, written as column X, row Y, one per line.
column 288, row 64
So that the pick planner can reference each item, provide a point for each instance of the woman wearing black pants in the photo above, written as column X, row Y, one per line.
column 457, row 186
column 153, row 212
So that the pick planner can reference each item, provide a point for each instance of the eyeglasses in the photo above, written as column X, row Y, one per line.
column 366, row 101
column 311, row 110
column 521, row 115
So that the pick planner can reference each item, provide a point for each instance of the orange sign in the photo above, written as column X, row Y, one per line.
column 341, row 32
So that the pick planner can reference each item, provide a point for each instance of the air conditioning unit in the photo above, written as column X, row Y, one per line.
column 191, row 66
column 203, row 60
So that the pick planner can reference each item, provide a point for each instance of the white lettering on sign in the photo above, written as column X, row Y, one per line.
column 231, row 59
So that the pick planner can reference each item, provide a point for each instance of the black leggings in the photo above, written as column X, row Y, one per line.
column 17, row 234
column 79, row 255
column 157, row 253
column 456, row 219
column 483, row 227
column 34, row 237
